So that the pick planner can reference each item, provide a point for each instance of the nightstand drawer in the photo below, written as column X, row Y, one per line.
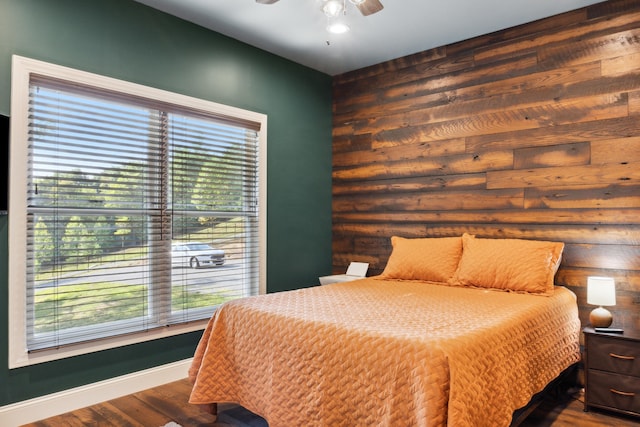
column 614, row 355
column 614, row 391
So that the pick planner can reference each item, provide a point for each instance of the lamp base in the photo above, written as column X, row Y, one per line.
column 600, row 318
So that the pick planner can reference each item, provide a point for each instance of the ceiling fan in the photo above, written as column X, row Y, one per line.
column 366, row 7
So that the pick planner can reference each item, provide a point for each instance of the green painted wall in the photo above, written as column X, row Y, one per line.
column 129, row 41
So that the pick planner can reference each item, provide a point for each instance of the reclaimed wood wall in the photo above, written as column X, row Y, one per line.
column 532, row 132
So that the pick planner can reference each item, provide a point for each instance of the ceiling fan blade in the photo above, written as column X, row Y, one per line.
column 369, row 7
column 266, row 1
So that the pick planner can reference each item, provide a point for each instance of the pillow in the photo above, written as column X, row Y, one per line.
column 430, row 259
column 509, row 264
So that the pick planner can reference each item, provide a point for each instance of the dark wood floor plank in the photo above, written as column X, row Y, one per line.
column 136, row 416
column 158, row 406
column 138, row 410
column 175, row 406
column 90, row 417
column 568, row 411
column 68, row 420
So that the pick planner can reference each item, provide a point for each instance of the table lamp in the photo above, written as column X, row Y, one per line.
column 601, row 291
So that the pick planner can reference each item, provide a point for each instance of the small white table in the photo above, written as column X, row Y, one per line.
column 356, row 270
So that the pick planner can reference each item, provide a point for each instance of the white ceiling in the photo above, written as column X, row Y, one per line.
column 295, row 29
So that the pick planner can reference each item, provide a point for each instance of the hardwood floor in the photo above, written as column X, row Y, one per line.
column 568, row 411
column 168, row 403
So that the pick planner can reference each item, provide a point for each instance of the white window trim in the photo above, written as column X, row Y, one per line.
column 22, row 69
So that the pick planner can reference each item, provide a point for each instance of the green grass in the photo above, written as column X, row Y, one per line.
column 90, row 304
column 73, row 306
column 135, row 254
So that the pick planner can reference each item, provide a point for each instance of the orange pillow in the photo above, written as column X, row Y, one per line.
column 509, row 264
column 430, row 259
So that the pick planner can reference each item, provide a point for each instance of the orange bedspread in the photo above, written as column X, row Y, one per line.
column 385, row 353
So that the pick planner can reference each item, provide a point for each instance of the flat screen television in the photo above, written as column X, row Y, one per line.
column 4, row 175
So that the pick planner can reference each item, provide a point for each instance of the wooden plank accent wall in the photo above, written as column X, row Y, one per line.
column 532, row 132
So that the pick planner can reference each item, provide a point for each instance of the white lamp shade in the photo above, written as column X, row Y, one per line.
column 601, row 291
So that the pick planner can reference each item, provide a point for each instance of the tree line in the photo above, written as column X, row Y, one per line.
column 77, row 226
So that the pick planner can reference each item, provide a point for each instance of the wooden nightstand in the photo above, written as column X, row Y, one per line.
column 612, row 368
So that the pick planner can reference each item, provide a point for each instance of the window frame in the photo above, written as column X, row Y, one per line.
column 22, row 70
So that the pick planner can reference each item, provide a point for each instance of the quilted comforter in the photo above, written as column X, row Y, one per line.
column 385, row 353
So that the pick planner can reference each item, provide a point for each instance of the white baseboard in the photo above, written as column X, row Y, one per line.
column 36, row 409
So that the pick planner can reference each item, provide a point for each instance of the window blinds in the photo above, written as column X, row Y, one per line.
column 129, row 202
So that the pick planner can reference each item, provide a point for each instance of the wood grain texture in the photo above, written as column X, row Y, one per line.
column 532, row 132
column 153, row 407
column 168, row 403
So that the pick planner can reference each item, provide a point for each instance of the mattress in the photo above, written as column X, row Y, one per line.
column 377, row 352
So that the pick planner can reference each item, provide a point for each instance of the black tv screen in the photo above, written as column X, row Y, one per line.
column 4, row 175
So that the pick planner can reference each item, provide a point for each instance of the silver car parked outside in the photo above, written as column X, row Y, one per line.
column 196, row 254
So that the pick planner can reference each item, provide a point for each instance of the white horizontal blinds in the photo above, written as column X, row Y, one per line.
column 91, row 204
column 213, row 198
column 103, row 210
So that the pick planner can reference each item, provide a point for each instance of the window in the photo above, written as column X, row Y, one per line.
column 133, row 214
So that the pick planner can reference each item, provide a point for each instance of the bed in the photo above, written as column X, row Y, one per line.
column 464, row 339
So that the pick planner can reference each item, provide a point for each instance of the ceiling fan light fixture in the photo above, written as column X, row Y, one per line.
column 332, row 8
column 338, row 28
